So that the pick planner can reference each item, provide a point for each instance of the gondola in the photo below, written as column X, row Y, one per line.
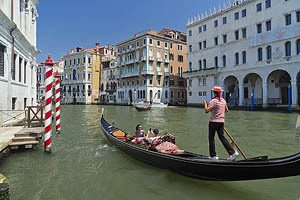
column 142, row 107
column 202, row 167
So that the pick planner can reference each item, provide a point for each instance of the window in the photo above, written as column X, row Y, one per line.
column 237, row 60
column 216, row 23
column 190, row 93
column 180, row 58
column 171, row 45
column 298, row 16
column 244, row 32
column 204, row 44
column 224, row 20
column 237, row 35
column 259, row 28
column 89, row 60
column 244, row 13
column 171, row 56
column 298, row 46
column 199, row 81
column 25, row 71
column 204, row 28
column 288, row 49
column 269, row 25
column 200, row 45
column 268, row 3
column 224, row 39
column 259, row 54
column 180, row 83
column 190, row 32
column 258, row 7
column 216, row 61
column 166, row 45
column 150, row 41
column 216, row 41
column 200, row 29
column 200, row 64
column 236, row 15
column 200, row 94
column 244, row 55
column 171, row 82
column 13, row 105
column 171, row 69
column 2, row 49
column 288, row 19
column 83, row 59
column 204, row 63
column 191, row 48
column 158, row 43
column 20, row 69
column 179, row 47
column 269, row 52
column 137, row 44
column 144, row 41
column 190, row 83
column 204, row 81
column 190, row 66
column 224, row 60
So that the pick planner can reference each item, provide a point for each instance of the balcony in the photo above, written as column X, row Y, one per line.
column 147, row 72
column 144, row 58
column 159, row 59
column 137, row 60
column 167, row 73
column 151, row 58
column 130, row 74
column 128, row 62
column 197, row 73
column 167, row 60
column 159, row 73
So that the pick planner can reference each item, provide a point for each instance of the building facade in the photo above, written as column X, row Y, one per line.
column 17, row 55
column 81, row 80
column 250, row 45
column 150, row 67
column 108, row 79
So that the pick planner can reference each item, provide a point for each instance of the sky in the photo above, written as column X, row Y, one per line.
column 66, row 24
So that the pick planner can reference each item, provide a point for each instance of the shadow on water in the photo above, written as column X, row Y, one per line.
column 84, row 165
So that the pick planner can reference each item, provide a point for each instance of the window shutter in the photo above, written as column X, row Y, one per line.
column 2, row 60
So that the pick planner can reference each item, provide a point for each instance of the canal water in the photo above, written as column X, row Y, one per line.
column 84, row 165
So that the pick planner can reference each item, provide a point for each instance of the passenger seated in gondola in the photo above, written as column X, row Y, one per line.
column 154, row 136
column 139, row 134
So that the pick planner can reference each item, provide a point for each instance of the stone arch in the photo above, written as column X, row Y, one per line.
column 277, row 83
column 231, row 88
column 252, row 81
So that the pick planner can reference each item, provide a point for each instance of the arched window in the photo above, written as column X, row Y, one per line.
column 224, row 60
column 288, row 48
column 74, row 74
column 237, row 59
column 244, row 54
column 216, row 61
column 298, row 46
column 269, row 52
column 158, row 94
column 259, row 54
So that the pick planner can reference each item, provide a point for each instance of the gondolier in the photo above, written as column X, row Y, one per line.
column 218, row 107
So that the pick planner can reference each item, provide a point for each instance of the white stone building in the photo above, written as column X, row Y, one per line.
column 17, row 56
column 249, row 44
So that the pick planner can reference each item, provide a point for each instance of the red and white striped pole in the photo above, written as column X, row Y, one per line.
column 57, row 102
column 48, row 107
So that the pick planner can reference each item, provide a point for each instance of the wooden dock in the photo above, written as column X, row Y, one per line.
column 17, row 138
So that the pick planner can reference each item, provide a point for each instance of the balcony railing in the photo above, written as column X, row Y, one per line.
column 167, row 73
column 159, row 73
column 159, row 59
column 144, row 58
column 128, row 62
column 137, row 59
column 151, row 58
column 147, row 72
column 167, row 60
column 130, row 74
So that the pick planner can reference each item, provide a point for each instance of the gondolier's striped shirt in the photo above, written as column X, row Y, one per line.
column 218, row 111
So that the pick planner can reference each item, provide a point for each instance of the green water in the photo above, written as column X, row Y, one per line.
column 83, row 165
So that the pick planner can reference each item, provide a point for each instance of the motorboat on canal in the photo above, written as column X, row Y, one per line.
column 202, row 167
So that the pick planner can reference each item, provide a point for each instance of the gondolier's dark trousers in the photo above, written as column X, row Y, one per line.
column 219, row 127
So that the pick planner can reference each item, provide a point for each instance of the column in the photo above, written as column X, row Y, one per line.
column 294, row 92
column 265, row 93
column 241, row 94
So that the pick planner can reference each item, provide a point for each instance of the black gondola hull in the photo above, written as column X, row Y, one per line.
column 201, row 167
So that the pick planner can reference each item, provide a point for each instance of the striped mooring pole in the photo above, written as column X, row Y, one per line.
column 48, row 107
column 57, row 102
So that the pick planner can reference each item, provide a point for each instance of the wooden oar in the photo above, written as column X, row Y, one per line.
column 237, row 146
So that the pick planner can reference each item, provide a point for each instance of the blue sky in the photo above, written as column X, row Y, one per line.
column 66, row 24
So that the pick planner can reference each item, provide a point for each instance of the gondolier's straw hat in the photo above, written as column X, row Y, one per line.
column 219, row 90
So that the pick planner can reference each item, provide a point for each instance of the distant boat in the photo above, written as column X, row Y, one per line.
column 154, row 104
column 143, row 107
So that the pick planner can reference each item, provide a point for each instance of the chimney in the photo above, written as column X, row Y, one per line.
column 97, row 47
column 72, row 50
column 78, row 49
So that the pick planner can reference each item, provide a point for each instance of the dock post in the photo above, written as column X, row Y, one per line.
column 211, row 94
column 252, row 99
column 289, row 88
column 234, row 96
column 4, row 188
column 48, row 108
column 57, row 102
column 229, row 99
